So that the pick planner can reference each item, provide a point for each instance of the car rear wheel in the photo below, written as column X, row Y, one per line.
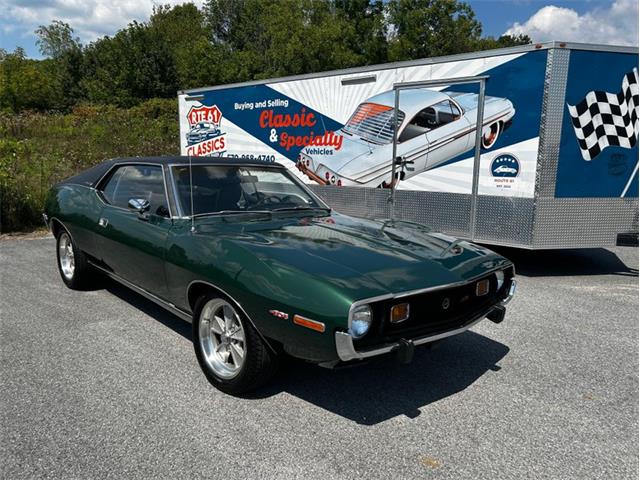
column 229, row 350
column 491, row 136
column 72, row 263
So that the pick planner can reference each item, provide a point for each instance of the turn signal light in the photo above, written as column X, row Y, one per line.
column 482, row 288
column 399, row 313
column 308, row 323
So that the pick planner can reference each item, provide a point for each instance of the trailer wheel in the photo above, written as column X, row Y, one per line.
column 490, row 137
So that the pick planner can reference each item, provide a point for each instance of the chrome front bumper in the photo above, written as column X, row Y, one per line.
column 347, row 352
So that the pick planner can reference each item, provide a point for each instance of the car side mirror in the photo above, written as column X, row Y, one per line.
column 140, row 205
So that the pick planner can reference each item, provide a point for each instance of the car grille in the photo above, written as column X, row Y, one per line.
column 432, row 312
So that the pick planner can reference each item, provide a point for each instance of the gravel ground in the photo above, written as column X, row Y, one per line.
column 104, row 384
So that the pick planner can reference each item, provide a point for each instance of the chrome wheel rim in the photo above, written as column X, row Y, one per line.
column 222, row 338
column 65, row 254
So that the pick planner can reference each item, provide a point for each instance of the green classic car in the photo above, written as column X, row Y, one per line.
column 261, row 266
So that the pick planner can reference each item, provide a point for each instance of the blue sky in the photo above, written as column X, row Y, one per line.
column 593, row 21
column 497, row 16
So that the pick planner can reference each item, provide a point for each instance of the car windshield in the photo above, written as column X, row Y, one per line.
column 222, row 190
column 373, row 122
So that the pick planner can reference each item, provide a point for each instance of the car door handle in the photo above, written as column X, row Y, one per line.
column 103, row 222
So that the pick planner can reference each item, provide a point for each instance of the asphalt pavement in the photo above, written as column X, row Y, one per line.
column 104, row 384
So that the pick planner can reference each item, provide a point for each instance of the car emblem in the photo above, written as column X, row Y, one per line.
column 446, row 303
column 279, row 314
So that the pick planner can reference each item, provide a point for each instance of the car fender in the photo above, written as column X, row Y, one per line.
column 257, row 289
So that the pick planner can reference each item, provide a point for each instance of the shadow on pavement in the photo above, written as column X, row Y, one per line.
column 552, row 263
column 147, row 306
column 372, row 392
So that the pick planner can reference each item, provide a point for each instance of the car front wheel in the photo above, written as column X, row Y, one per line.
column 230, row 351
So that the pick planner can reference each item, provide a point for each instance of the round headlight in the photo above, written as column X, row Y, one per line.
column 360, row 321
column 500, row 278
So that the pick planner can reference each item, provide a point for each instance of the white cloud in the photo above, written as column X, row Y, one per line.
column 90, row 19
column 615, row 25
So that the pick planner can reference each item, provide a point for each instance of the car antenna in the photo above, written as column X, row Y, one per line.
column 193, row 227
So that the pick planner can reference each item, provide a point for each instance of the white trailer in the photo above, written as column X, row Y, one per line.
column 554, row 165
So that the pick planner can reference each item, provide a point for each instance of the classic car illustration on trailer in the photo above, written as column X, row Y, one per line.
column 202, row 131
column 261, row 266
column 434, row 127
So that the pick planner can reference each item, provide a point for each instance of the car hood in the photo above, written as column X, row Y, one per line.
column 359, row 257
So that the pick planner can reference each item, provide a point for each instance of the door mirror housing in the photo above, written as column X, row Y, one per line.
column 140, row 205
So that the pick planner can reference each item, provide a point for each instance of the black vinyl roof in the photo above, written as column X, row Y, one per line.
column 92, row 176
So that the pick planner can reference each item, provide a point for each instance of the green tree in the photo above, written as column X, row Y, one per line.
column 268, row 38
column 24, row 83
column 367, row 19
column 503, row 41
column 56, row 39
column 58, row 42
column 430, row 28
column 133, row 65
column 230, row 41
column 196, row 58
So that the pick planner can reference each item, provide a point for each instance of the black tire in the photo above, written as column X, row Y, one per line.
column 260, row 362
column 80, row 276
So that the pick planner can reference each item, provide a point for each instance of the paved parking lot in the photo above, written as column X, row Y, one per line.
column 104, row 384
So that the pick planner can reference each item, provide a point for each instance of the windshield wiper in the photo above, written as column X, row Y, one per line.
column 232, row 212
column 299, row 208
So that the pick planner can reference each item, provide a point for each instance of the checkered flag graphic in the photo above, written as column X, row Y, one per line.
column 604, row 119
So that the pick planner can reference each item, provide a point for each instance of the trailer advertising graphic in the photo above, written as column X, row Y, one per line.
column 599, row 149
column 333, row 132
column 204, row 137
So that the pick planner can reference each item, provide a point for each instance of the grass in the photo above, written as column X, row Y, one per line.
column 38, row 150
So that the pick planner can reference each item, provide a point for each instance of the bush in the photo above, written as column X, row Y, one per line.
column 38, row 150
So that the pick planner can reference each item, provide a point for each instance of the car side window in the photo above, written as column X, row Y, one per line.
column 429, row 118
column 109, row 189
column 419, row 125
column 137, row 181
column 446, row 112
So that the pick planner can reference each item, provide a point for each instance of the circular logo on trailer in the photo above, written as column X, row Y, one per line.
column 505, row 165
